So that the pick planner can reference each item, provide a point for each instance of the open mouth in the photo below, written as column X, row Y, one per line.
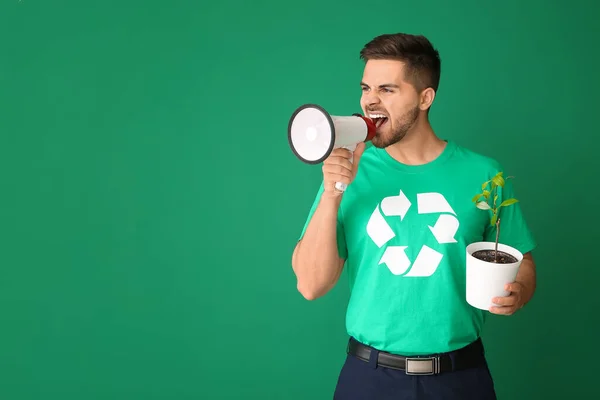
column 378, row 119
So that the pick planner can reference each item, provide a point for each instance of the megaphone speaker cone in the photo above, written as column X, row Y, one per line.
column 313, row 133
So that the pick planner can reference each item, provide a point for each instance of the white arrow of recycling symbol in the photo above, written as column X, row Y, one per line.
column 395, row 257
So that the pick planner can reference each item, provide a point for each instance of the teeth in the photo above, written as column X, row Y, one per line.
column 377, row 116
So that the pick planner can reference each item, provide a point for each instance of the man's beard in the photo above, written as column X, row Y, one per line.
column 402, row 126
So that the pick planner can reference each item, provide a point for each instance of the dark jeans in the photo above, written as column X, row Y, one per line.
column 360, row 380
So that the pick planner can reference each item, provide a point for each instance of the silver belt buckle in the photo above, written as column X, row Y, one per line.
column 422, row 365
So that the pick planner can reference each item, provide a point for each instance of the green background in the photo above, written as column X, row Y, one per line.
column 151, row 203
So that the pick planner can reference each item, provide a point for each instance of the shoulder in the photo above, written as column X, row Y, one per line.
column 475, row 159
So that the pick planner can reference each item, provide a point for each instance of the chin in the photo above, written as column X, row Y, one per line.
column 382, row 142
column 385, row 139
column 378, row 142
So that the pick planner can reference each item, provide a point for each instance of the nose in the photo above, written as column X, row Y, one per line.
column 370, row 98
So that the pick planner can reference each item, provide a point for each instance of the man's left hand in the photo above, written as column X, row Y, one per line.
column 510, row 304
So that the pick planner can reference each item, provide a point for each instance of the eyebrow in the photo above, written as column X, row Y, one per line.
column 385, row 85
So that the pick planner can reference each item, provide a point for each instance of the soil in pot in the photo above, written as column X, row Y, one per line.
column 489, row 256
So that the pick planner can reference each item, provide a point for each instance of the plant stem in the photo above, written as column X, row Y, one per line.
column 497, row 236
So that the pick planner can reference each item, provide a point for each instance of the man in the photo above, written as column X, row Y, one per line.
column 393, row 314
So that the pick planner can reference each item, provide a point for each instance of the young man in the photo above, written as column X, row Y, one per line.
column 407, row 286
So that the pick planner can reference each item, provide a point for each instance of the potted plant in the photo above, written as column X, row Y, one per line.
column 491, row 265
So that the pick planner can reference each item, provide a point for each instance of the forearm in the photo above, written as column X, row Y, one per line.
column 527, row 277
column 316, row 262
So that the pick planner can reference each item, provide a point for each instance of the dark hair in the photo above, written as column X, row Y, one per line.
column 422, row 60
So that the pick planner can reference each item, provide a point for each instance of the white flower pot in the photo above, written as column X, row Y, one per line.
column 486, row 280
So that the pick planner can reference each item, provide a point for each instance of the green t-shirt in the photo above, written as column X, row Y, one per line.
column 403, row 231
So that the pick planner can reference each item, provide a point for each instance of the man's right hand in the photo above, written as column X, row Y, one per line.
column 338, row 168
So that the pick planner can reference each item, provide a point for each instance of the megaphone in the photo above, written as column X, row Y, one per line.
column 313, row 133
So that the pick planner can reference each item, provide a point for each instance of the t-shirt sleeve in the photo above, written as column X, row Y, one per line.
column 340, row 234
column 514, row 230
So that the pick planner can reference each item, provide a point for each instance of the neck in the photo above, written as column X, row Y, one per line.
column 420, row 145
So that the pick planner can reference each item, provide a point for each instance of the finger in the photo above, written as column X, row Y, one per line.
column 337, row 160
column 331, row 169
column 338, row 178
column 513, row 287
column 505, row 301
column 333, row 179
column 502, row 310
column 358, row 152
column 341, row 152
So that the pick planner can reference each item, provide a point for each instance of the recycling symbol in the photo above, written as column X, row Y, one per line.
column 395, row 257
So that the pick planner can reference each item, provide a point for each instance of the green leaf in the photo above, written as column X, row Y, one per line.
column 476, row 197
column 484, row 185
column 482, row 205
column 508, row 202
column 486, row 194
column 494, row 219
column 498, row 180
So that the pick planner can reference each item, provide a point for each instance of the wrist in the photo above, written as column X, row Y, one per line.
column 331, row 201
column 332, row 197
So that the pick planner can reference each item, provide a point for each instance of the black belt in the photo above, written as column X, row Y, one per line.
column 469, row 356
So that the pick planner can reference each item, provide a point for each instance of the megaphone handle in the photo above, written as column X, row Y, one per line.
column 341, row 186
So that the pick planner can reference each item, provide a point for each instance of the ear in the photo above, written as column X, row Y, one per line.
column 426, row 99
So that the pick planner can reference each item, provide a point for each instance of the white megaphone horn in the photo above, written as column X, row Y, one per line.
column 313, row 133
